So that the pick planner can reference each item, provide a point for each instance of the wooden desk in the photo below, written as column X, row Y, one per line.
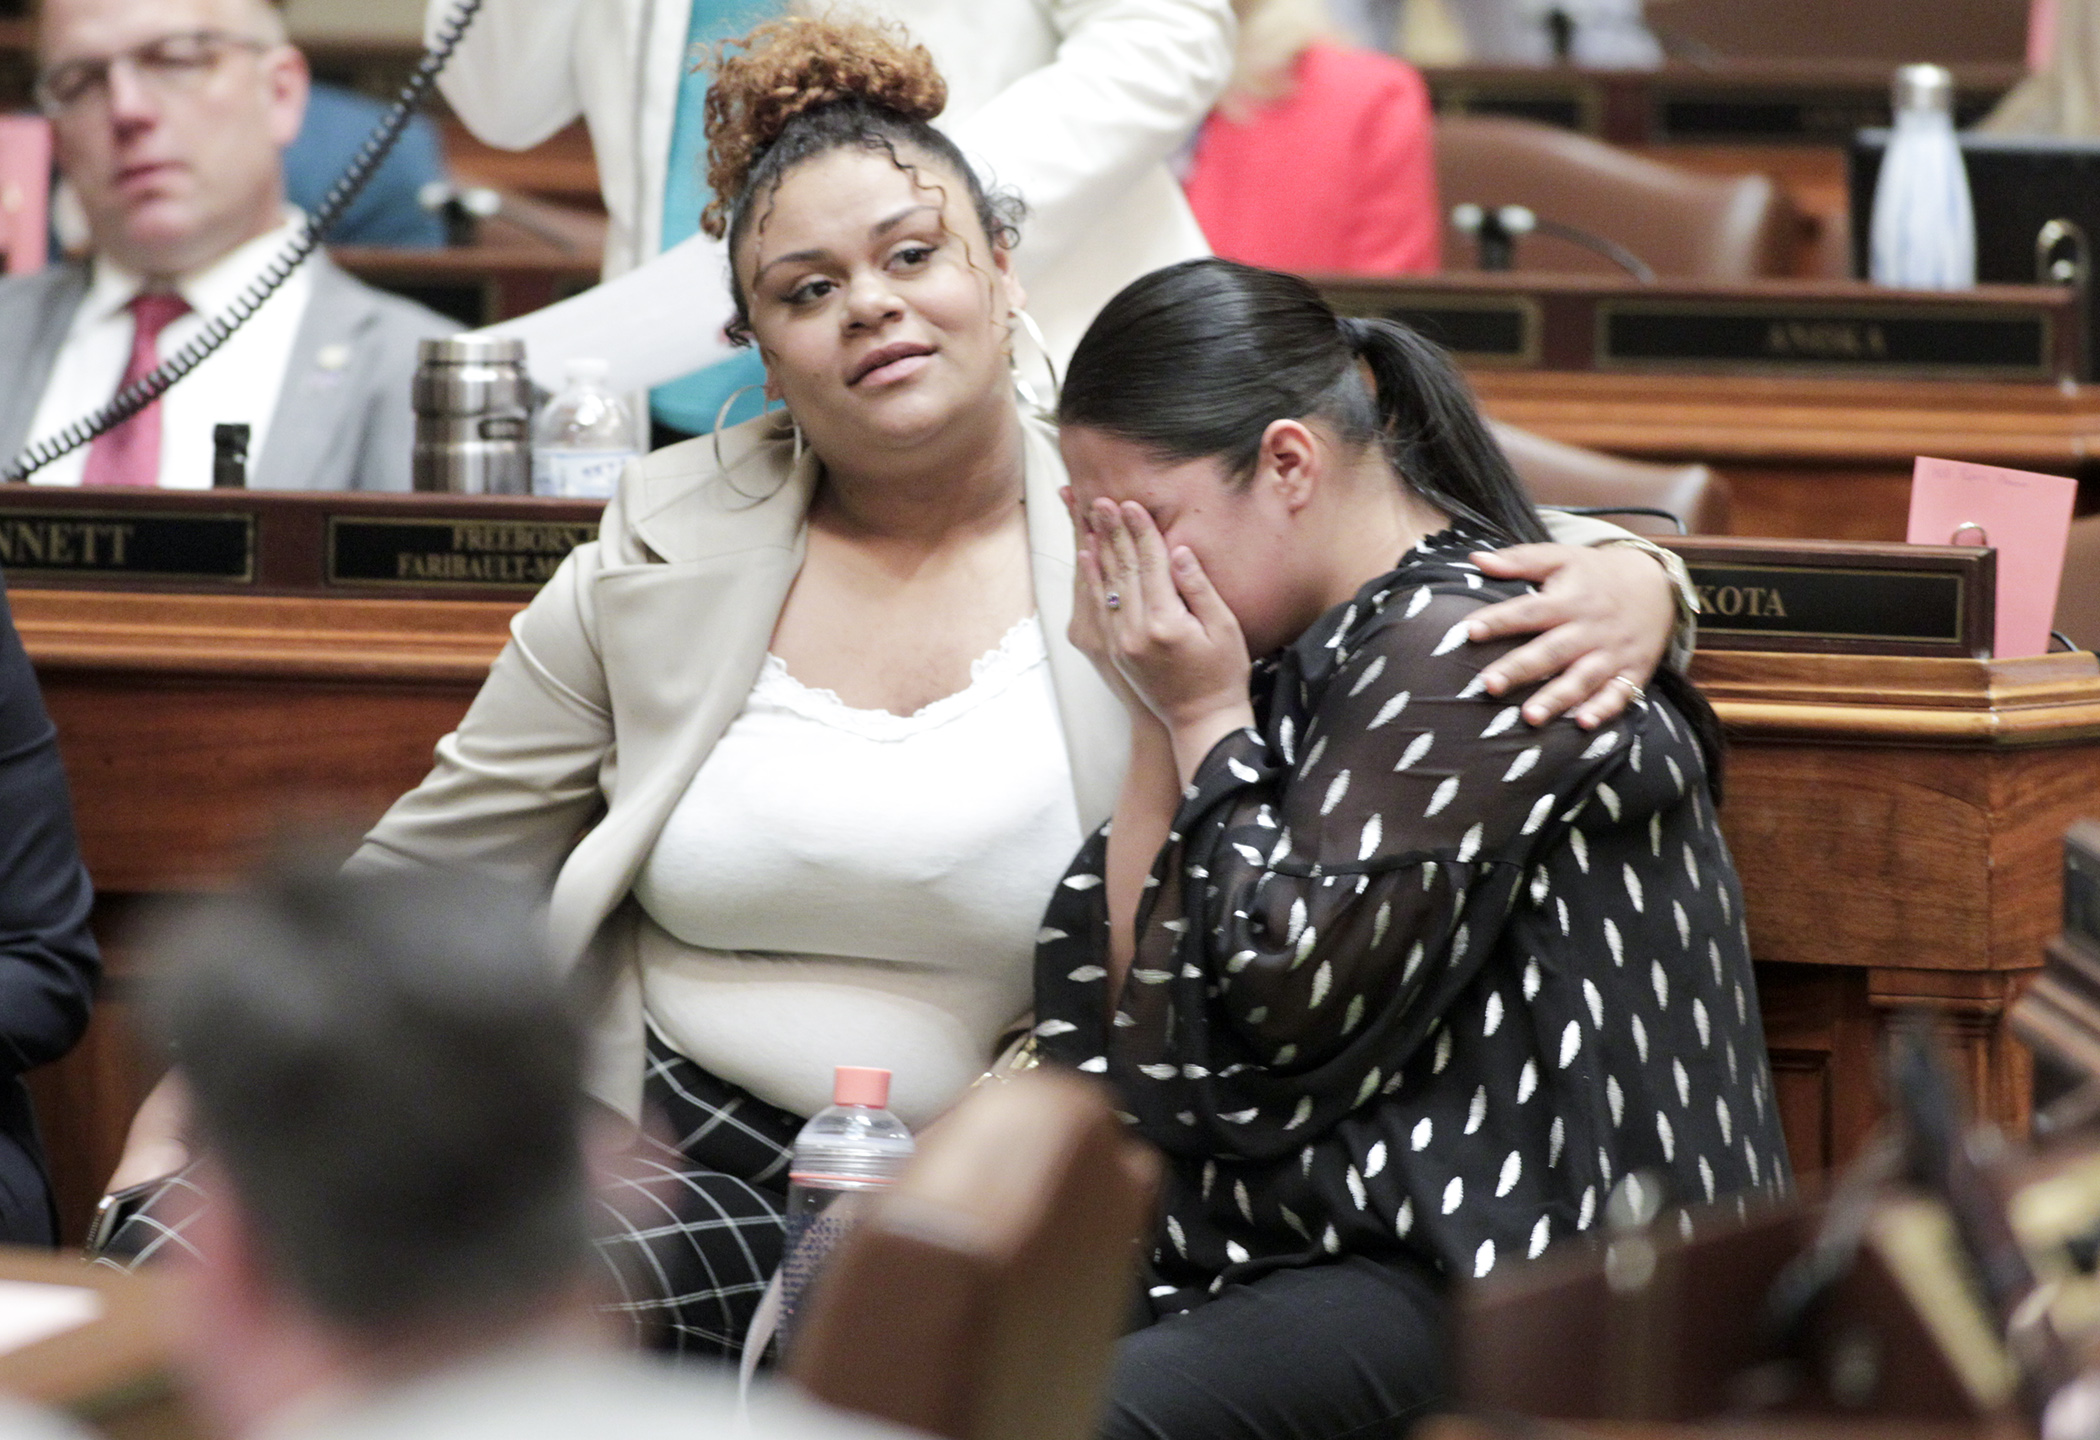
column 1896, row 821
column 110, row 1373
column 1821, row 459
column 1898, row 825
column 548, row 253
column 192, row 726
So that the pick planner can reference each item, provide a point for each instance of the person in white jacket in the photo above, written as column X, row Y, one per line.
column 1075, row 104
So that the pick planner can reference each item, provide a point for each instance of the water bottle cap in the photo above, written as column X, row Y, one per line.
column 860, row 1085
column 586, row 368
column 1924, row 87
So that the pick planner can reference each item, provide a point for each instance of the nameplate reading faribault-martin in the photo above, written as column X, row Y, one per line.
column 1841, row 596
column 452, row 554
column 128, row 544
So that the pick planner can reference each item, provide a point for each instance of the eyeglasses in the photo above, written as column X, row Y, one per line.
column 169, row 65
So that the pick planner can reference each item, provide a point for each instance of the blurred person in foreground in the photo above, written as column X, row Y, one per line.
column 170, row 119
column 49, row 965
column 386, row 1078
column 1320, row 157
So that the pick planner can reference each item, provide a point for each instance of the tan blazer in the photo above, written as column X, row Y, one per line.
column 655, row 634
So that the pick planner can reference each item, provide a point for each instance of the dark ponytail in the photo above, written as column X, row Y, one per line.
column 1195, row 361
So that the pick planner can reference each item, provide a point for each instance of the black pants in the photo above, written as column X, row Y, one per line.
column 1355, row 1349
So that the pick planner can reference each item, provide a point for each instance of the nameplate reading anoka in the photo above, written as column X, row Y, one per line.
column 128, row 545
column 1866, row 337
column 462, row 554
column 1841, row 596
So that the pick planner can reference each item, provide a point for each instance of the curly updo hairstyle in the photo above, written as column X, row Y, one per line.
column 795, row 89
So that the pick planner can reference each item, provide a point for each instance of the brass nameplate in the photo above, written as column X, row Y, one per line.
column 1476, row 329
column 128, row 544
column 1834, row 595
column 1971, row 342
column 461, row 554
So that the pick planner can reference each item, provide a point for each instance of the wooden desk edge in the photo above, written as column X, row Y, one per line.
column 108, row 1365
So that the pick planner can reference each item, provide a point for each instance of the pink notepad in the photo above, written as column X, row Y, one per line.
column 2026, row 517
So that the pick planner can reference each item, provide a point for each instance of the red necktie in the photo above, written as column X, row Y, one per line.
column 130, row 454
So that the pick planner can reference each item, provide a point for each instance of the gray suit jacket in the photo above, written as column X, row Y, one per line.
column 343, row 418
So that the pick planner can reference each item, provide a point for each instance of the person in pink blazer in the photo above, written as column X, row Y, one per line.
column 1320, row 159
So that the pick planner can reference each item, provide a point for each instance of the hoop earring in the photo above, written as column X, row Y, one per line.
column 1042, row 348
column 722, row 414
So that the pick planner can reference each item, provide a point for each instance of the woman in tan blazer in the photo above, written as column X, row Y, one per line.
column 858, row 557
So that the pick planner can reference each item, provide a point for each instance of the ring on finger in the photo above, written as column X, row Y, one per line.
column 1112, row 600
column 1634, row 692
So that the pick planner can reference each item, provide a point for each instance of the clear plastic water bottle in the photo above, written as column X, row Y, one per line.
column 843, row 1155
column 1924, row 228
column 583, row 436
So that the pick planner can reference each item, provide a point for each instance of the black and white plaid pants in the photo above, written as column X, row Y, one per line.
column 689, row 1233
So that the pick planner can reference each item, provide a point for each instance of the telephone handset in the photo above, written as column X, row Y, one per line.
column 151, row 386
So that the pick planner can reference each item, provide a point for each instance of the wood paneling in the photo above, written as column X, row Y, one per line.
column 1898, row 826
column 1897, row 822
column 1822, row 459
column 195, row 727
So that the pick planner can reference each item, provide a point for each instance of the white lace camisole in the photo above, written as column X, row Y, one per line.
column 852, row 887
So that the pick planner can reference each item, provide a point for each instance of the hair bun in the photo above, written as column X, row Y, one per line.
column 786, row 68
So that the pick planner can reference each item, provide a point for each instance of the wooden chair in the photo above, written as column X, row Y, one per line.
column 982, row 1297
column 1681, row 223
column 2078, row 597
column 1568, row 475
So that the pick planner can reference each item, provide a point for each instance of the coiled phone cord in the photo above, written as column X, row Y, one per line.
column 151, row 386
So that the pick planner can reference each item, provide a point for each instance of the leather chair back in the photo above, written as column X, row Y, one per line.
column 981, row 1298
column 1569, row 475
column 1683, row 224
column 2078, row 598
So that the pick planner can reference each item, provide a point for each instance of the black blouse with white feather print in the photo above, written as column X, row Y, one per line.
column 1416, row 977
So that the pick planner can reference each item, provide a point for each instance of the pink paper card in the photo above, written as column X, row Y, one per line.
column 2026, row 517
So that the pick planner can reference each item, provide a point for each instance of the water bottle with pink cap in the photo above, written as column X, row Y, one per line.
column 843, row 1154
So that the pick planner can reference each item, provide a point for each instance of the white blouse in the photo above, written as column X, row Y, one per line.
column 852, row 887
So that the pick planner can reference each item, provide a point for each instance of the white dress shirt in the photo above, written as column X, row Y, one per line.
column 238, row 385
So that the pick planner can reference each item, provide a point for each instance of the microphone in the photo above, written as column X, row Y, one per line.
column 1496, row 229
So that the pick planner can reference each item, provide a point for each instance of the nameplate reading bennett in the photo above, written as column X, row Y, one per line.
column 129, row 545
column 464, row 554
column 1842, row 596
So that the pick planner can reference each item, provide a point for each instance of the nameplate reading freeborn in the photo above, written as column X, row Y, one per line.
column 461, row 554
column 128, row 544
column 1834, row 595
column 1968, row 342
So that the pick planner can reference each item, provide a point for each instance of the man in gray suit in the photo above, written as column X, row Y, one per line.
column 170, row 117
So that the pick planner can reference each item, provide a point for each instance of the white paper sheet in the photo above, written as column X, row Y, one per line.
column 31, row 1312
column 657, row 322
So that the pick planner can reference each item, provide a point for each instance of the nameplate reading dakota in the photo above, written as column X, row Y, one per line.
column 133, row 545
column 457, row 554
column 1804, row 603
column 1974, row 343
